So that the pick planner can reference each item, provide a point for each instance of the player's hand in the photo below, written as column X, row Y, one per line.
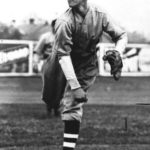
column 79, row 95
column 36, row 60
column 114, row 59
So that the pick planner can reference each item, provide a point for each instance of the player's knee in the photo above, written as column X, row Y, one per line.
column 75, row 113
column 71, row 116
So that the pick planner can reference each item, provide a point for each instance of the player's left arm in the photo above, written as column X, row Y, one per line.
column 62, row 45
column 118, row 35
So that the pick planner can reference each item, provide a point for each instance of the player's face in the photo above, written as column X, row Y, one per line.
column 74, row 3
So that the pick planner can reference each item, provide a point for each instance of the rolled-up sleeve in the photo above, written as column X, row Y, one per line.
column 118, row 35
column 63, row 39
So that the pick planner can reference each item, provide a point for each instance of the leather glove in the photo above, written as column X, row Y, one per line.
column 114, row 59
column 79, row 95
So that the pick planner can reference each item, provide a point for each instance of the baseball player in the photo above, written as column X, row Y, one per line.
column 78, row 31
column 44, row 46
column 42, row 51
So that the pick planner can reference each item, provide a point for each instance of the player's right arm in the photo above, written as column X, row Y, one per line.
column 38, row 53
column 63, row 43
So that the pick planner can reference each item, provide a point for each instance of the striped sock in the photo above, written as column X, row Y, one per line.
column 71, row 134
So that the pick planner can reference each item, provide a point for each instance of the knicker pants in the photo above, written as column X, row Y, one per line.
column 71, row 109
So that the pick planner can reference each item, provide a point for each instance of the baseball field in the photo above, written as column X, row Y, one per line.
column 116, row 117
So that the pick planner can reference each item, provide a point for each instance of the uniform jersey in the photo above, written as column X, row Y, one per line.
column 78, row 37
column 44, row 46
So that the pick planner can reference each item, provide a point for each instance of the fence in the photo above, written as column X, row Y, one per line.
column 16, row 59
column 136, row 60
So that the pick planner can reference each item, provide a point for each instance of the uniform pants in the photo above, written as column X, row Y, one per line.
column 71, row 109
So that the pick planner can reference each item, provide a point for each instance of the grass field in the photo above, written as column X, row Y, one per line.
column 105, row 90
column 25, row 126
column 114, row 119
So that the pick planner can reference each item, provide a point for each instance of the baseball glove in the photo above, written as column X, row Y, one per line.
column 114, row 59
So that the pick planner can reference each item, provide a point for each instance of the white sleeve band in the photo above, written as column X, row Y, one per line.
column 67, row 67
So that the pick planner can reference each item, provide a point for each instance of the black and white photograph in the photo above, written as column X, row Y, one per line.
column 75, row 75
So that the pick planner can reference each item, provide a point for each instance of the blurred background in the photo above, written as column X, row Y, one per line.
column 117, row 114
column 27, row 19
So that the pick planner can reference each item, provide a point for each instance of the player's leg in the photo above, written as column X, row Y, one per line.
column 56, row 111
column 60, row 92
column 71, row 114
column 49, row 110
column 47, row 89
column 71, row 133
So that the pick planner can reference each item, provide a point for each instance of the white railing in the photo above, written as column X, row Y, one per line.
column 18, row 65
column 136, row 64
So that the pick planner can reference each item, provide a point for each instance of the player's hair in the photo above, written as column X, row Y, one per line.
column 53, row 23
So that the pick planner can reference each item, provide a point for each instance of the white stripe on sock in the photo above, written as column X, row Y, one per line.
column 69, row 144
column 66, row 135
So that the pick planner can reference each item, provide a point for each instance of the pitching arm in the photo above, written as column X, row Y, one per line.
column 63, row 44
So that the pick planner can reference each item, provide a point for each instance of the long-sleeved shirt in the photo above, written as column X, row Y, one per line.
column 77, row 37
